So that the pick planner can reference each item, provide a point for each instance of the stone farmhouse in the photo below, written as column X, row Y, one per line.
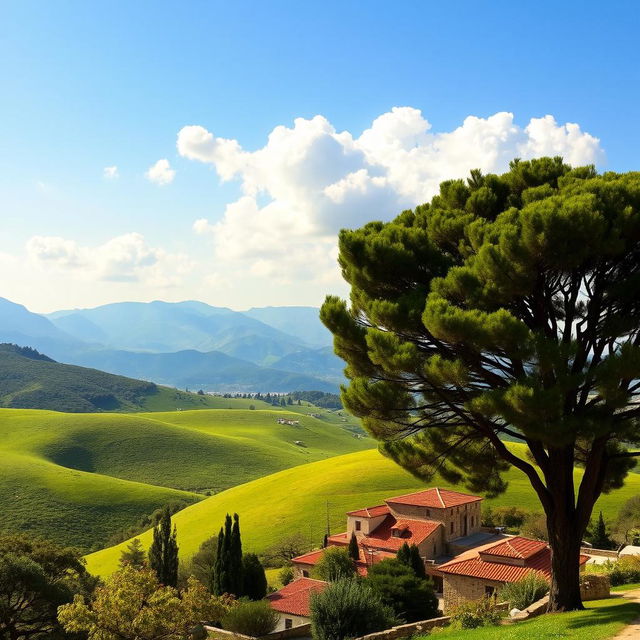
column 465, row 560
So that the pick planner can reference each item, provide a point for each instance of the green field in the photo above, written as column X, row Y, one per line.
column 601, row 620
column 295, row 500
column 77, row 478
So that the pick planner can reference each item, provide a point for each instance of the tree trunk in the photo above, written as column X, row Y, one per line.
column 564, row 594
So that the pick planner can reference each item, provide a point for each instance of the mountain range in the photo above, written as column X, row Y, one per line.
column 185, row 344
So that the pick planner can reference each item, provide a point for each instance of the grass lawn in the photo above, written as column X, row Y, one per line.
column 626, row 587
column 601, row 620
column 295, row 500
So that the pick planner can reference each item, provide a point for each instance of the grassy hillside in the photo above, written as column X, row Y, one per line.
column 71, row 476
column 295, row 500
column 73, row 507
column 30, row 380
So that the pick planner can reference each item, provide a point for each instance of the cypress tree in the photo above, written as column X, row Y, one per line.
column 600, row 538
column 254, row 580
column 404, row 555
column 417, row 564
column 216, row 587
column 354, row 551
column 235, row 558
column 163, row 553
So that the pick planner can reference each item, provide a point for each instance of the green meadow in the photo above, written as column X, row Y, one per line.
column 298, row 499
column 77, row 478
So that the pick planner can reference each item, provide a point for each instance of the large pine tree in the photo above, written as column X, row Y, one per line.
column 508, row 306
column 163, row 553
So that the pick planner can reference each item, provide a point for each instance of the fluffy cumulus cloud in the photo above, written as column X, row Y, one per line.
column 310, row 180
column 125, row 258
column 110, row 173
column 161, row 173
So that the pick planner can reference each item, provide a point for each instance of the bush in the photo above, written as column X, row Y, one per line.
column 252, row 618
column 410, row 597
column 335, row 564
column 525, row 592
column 623, row 571
column 348, row 609
column 254, row 580
column 481, row 613
column 286, row 575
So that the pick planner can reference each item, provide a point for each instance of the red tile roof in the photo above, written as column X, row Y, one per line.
column 434, row 498
column 536, row 556
column 516, row 547
column 370, row 512
column 296, row 596
column 309, row 558
column 413, row 532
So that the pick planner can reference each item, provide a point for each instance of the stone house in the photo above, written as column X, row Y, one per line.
column 292, row 602
column 432, row 519
column 480, row 572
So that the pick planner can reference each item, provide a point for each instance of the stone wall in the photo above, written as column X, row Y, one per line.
column 460, row 589
column 594, row 586
column 303, row 631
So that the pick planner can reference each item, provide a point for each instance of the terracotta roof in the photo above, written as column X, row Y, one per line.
column 370, row 512
column 434, row 498
column 516, row 547
column 536, row 556
column 309, row 558
column 295, row 597
column 339, row 539
column 413, row 532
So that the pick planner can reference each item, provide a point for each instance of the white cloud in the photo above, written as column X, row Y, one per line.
column 308, row 181
column 125, row 258
column 110, row 173
column 161, row 173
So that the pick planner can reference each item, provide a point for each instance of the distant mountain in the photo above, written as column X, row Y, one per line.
column 322, row 363
column 184, row 344
column 31, row 380
column 162, row 327
column 213, row 371
column 300, row 322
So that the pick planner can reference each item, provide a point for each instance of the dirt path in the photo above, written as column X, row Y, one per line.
column 631, row 631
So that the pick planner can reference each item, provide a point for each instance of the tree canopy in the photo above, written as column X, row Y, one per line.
column 507, row 306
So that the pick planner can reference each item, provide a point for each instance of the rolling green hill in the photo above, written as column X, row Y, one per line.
column 30, row 380
column 295, row 500
column 77, row 478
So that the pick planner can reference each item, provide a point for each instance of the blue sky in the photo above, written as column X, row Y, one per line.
column 89, row 85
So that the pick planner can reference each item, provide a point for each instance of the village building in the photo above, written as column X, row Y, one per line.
column 482, row 571
column 293, row 602
column 464, row 560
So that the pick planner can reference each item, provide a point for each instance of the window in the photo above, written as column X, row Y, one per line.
column 489, row 591
column 452, row 526
column 472, row 521
column 358, row 525
column 395, row 533
column 428, row 513
column 305, row 573
column 288, row 623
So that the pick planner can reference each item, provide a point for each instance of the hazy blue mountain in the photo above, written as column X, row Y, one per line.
column 212, row 371
column 166, row 327
column 300, row 322
column 322, row 363
column 18, row 325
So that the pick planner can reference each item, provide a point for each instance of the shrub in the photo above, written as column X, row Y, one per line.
column 252, row 618
column 622, row 571
column 335, row 564
column 286, row 575
column 254, row 580
column 410, row 597
column 348, row 609
column 481, row 613
column 525, row 592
